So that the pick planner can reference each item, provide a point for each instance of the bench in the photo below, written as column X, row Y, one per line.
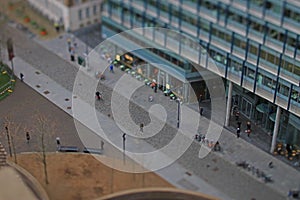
column 68, row 149
column 92, row 150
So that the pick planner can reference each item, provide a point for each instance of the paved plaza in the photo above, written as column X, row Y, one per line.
column 49, row 71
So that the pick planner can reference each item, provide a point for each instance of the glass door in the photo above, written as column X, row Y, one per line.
column 246, row 108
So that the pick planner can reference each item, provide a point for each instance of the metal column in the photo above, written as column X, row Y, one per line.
column 276, row 127
column 229, row 99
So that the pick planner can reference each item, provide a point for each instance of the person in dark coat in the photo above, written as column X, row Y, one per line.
column 238, row 132
column 239, row 123
column 21, row 77
column 98, row 95
column 27, row 137
column 201, row 111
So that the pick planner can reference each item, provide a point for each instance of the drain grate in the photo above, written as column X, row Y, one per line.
column 46, row 92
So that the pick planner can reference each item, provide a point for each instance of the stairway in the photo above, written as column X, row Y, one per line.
column 2, row 156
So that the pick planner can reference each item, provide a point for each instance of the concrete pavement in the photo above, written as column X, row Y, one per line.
column 216, row 169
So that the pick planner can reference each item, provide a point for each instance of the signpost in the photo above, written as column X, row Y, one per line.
column 11, row 55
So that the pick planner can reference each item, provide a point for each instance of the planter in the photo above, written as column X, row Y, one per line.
column 43, row 31
column 26, row 19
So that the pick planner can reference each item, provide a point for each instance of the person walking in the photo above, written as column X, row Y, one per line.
column 200, row 98
column 237, row 116
column 239, row 123
column 141, row 127
column 111, row 68
column 27, row 137
column 57, row 141
column 98, row 95
column 21, row 77
column 201, row 111
column 238, row 132
column 102, row 145
column 248, row 130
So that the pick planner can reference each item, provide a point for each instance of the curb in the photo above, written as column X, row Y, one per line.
column 30, row 181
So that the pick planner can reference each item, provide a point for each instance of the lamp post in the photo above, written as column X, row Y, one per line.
column 124, row 138
column 178, row 112
column 8, row 140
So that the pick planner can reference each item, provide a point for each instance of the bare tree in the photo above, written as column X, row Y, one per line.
column 43, row 131
column 12, row 131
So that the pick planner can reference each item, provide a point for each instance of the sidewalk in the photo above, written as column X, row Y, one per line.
column 242, row 182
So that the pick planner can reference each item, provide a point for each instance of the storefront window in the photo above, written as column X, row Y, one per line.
column 283, row 88
column 250, row 73
column 295, row 96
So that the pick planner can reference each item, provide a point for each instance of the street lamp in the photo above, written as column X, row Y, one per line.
column 178, row 112
column 124, row 138
column 8, row 140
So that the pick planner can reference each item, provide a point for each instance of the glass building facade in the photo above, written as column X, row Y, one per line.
column 254, row 43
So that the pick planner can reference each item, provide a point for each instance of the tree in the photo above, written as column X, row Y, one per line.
column 12, row 129
column 43, row 131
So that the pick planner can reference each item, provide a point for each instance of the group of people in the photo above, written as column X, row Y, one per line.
column 238, row 129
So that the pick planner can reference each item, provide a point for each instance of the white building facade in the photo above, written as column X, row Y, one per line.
column 71, row 14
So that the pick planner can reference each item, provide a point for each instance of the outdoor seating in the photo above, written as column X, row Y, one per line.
column 92, row 150
column 68, row 149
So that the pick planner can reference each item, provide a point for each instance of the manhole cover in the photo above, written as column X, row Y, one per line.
column 38, row 86
column 46, row 92
column 66, row 99
column 74, row 97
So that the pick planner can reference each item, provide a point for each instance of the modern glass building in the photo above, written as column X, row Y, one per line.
column 255, row 44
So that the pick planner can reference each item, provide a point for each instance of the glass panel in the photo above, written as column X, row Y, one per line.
column 295, row 100
column 283, row 92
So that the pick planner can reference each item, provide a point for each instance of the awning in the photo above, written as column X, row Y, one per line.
column 272, row 117
column 263, row 108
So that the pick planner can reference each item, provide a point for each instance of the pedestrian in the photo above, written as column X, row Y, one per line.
column 217, row 146
column 72, row 53
column 237, row 116
column 57, row 141
column 21, row 77
column 248, row 130
column 98, row 95
column 141, row 127
column 238, row 132
column 155, row 88
column 239, row 123
column 27, row 137
column 271, row 165
column 201, row 111
column 102, row 145
column 248, row 125
column 111, row 68
column 72, row 57
column 200, row 98
column 56, row 26
column 69, row 45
